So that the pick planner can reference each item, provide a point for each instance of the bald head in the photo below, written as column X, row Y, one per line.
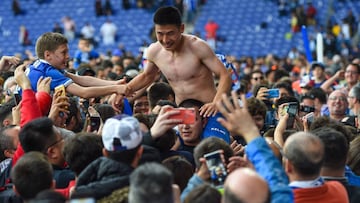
column 245, row 185
column 305, row 152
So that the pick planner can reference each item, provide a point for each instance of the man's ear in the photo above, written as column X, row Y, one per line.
column 8, row 153
column 105, row 153
column 15, row 190
column 204, row 121
column 50, row 153
column 6, row 122
column 288, row 166
column 182, row 27
column 53, row 185
column 46, row 54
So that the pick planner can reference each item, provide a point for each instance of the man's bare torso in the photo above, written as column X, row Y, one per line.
column 187, row 75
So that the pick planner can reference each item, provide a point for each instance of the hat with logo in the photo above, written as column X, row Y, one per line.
column 121, row 132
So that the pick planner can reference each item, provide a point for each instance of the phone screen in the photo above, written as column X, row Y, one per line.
column 94, row 123
column 216, row 168
column 292, row 110
column 17, row 98
column 186, row 114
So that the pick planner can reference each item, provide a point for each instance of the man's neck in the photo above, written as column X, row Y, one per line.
column 326, row 171
column 337, row 117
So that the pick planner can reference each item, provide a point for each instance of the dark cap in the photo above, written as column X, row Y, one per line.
column 317, row 64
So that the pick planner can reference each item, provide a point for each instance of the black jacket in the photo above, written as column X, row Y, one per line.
column 100, row 178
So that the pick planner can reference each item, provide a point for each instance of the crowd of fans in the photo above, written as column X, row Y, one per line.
column 293, row 131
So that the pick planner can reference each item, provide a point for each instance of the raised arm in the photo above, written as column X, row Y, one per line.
column 210, row 60
column 239, row 121
column 326, row 86
column 89, row 81
column 98, row 91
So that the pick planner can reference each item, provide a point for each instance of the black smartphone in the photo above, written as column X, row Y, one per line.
column 292, row 110
column 216, row 168
column 94, row 123
column 17, row 98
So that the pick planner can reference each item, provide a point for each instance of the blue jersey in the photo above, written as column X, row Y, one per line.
column 84, row 57
column 41, row 68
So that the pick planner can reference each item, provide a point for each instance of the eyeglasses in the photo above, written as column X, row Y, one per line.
column 351, row 72
column 334, row 98
column 7, row 92
column 55, row 143
column 258, row 78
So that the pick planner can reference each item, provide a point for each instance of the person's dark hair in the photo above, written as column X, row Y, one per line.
column 6, row 141
column 284, row 85
column 256, row 71
column 81, row 150
column 48, row 196
column 159, row 91
column 318, row 93
column 105, row 111
column 203, row 193
column 32, row 174
column 74, row 111
column 336, row 147
column 6, row 111
column 279, row 74
column 188, row 103
column 37, row 135
column 336, row 125
column 256, row 107
column 306, row 161
column 283, row 100
column 257, row 88
column 126, row 156
column 150, row 154
column 211, row 144
column 151, row 182
column 353, row 158
column 107, row 64
column 167, row 15
column 357, row 66
column 181, row 168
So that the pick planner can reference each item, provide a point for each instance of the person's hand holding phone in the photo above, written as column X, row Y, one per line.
column 20, row 77
column 217, row 168
column 186, row 115
column 59, row 110
column 165, row 121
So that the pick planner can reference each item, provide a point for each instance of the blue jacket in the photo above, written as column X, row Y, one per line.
column 268, row 166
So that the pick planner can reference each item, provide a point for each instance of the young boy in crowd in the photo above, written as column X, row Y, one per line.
column 53, row 54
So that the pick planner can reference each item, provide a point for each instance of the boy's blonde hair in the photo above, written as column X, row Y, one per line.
column 49, row 41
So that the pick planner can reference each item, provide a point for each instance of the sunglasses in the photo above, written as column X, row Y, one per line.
column 258, row 78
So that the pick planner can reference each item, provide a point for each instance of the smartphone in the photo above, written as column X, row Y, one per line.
column 17, row 98
column 186, row 114
column 307, row 109
column 309, row 118
column 292, row 110
column 273, row 93
column 94, row 123
column 216, row 168
column 60, row 90
column 83, row 200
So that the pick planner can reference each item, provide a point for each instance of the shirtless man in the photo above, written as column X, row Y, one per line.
column 186, row 61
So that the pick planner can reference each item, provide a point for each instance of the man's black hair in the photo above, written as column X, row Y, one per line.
column 167, row 15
